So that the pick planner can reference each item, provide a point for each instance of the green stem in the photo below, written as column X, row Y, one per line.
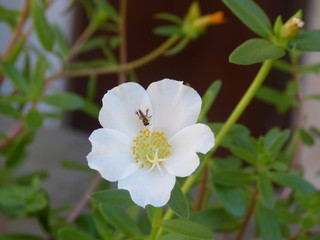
column 86, row 34
column 156, row 223
column 120, row 68
column 237, row 112
column 235, row 115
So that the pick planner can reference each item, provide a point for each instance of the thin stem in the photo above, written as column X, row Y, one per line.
column 17, row 130
column 121, row 68
column 225, row 236
column 202, row 189
column 299, row 111
column 235, row 115
column 3, row 223
column 156, row 223
column 313, row 233
column 86, row 34
column 84, row 200
column 248, row 214
column 16, row 34
column 18, row 31
column 123, row 36
column 237, row 112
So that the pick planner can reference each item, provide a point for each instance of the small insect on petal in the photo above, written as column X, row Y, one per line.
column 145, row 118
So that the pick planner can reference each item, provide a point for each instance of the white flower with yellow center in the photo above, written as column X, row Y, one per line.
column 149, row 137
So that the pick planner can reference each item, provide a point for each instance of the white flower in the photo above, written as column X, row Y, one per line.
column 148, row 138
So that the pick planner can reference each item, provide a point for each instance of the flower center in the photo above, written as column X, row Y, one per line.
column 150, row 149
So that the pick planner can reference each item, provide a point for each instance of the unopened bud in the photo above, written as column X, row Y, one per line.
column 291, row 27
column 210, row 19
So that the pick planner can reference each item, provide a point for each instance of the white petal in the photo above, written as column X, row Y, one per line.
column 111, row 154
column 151, row 187
column 120, row 105
column 175, row 106
column 184, row 160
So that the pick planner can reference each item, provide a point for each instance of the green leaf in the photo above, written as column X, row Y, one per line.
column 17, row 151
column 178, row 47
column 91, row 88
column 93, row 43
column 33, row 119
column 91, row 109
column 68, row 233
column 38, row 78
column 11, row 236
column 187, row 228
column 16, row 77
column 15, row 52
column 306, row 41
column 310, row 68
column 28, row 177
column 114, row 43
column 168, row 30
column 280, row 100
column 306, row 137
column 62, row 42
column 278, row 166
column 292, row 181
column 244, row 155
column 278, row 26
column 119, row 219
column 232, row 177
column 275, row 140
column 85, row 222
column 266, row 190
column 169, row 17
column 231, row 162
column 217, row 219
column 101, row 224
column 282, row 65
column 97, row 63
column 44, row 30
column 251, row 15
column 312, row 97
column 284, row 215
column 112, row 197
column 107, row 9
column 22, row 200
column 8, row 110
column 74, row 165
column 255, row 50
column 9, row 16
column 36, row 203
column 236, row 130
column 267, row 223
column 64, row 101
column 230, row 198
column 172, row 236
column 178, row 202
column 209, row 97
column 315, row 131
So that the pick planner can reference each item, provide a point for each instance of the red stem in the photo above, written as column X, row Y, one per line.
column 247, row 217
column 17, row 129
column 84, row 200
column 18, row 31
column 202, row 190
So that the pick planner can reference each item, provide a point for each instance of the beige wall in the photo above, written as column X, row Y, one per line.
column 311, row 109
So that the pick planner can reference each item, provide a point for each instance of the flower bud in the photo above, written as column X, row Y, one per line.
column 292, row 27
column 210, row 19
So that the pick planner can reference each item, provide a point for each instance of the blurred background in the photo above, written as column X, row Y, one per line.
column 199, row 64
